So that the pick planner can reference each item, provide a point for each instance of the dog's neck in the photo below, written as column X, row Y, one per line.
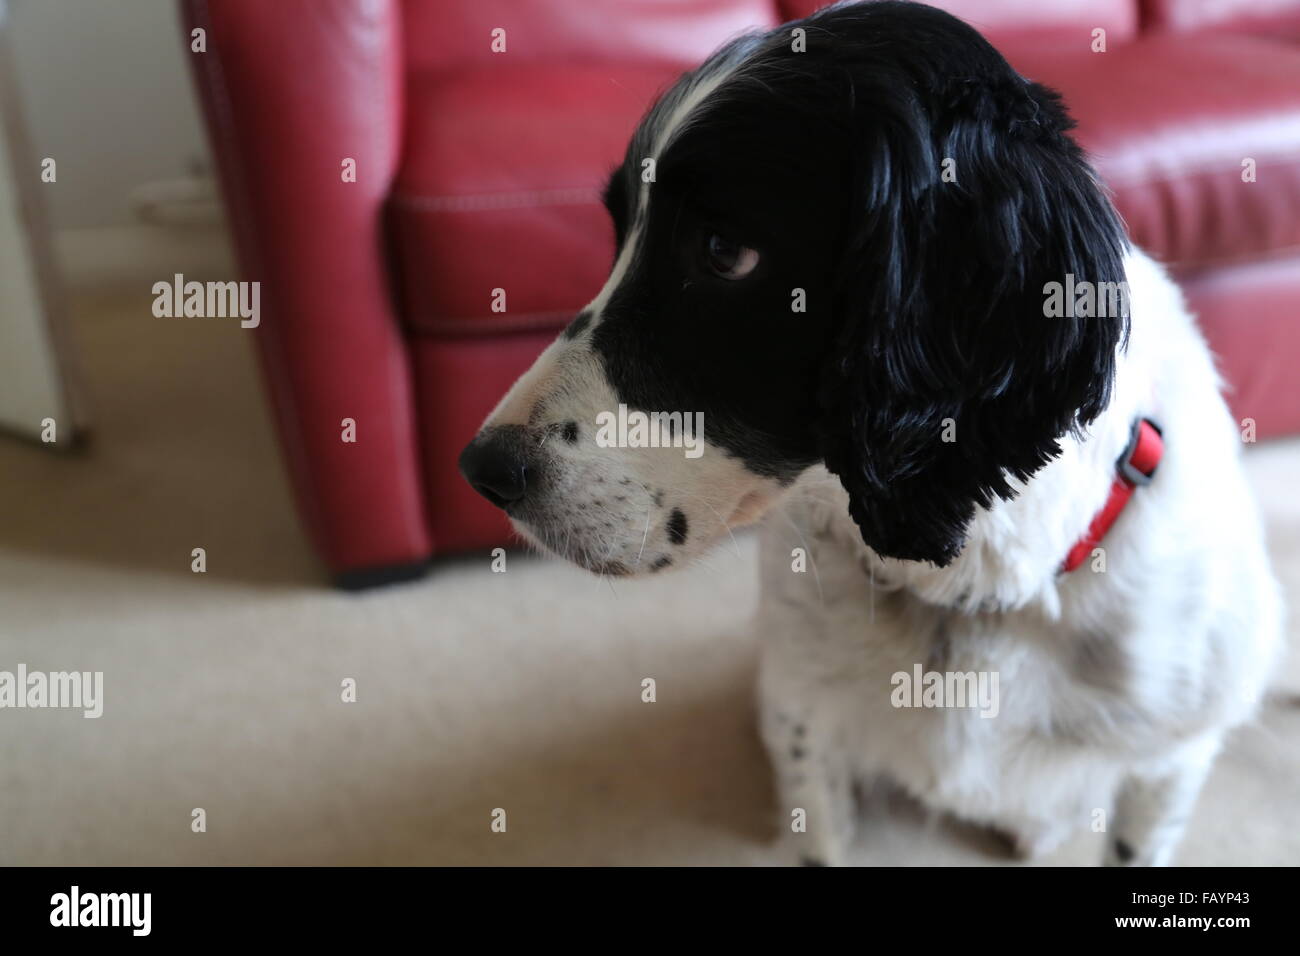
column 1014, row 549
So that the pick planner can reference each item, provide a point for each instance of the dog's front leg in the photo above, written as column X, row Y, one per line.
column 815, row 805
column 803, row 719
column 1154, row 804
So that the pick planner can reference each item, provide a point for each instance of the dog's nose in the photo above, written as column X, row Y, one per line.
column 495, row 468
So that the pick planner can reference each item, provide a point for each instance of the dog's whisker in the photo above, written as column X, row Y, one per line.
column 645, row 536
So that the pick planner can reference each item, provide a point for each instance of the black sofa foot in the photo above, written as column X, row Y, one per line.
column 367, row 578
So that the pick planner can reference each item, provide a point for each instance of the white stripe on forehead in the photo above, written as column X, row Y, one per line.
column 668, row 119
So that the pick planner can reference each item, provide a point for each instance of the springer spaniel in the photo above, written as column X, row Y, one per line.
column 867, row 253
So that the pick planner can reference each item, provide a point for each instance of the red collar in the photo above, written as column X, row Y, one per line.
column 1136, row 466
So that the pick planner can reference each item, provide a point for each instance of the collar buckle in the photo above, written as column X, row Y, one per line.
column 1144, row 432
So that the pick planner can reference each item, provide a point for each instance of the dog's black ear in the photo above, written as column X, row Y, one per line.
column 952, row 373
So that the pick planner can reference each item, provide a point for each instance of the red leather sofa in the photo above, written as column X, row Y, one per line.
column 478, row 169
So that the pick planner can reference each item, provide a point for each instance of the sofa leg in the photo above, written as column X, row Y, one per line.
column 366, row 578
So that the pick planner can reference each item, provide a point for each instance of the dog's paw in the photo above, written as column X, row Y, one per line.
column 1029, row 841
column 1119, row 852
column 800, row 849
column 1122, row 852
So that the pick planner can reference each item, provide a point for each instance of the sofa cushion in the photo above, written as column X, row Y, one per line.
column 500, row 188
column 1248, row 314
column 1169, row 122
column 453, row 36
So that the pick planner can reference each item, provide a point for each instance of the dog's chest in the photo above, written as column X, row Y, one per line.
column 979, row 714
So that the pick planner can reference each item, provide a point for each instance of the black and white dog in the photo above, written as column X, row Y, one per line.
column 840, row 242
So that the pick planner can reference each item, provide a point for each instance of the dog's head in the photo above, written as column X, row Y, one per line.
column 833, row 242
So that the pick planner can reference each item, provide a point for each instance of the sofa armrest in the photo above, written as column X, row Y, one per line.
column 292, row 90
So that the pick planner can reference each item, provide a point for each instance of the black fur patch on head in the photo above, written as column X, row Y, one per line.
column 677, row 527
column 922, row 295
column 569, row 432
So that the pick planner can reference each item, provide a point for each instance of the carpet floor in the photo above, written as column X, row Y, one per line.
column 474, row 691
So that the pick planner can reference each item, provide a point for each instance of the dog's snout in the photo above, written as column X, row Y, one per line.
column 494, row 465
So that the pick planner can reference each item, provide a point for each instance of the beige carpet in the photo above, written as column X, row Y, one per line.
column 475, row 690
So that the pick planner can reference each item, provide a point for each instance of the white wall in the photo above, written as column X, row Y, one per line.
column 107, row 93
column 30, row 389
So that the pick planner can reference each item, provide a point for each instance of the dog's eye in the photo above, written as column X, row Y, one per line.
column 728, row 259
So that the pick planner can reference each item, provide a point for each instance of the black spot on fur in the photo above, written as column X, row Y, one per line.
column 796, row 752
column 661, row 563
column 677, row 527
column 616, row 198
column 810, row 861
column 578, row 325
column 1123, row 851
column 569, row 432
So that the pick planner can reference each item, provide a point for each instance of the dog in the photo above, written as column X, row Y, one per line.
column 844, row 244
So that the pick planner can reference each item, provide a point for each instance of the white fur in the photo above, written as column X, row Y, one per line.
column 1117, row 687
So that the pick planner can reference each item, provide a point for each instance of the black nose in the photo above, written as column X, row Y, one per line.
column 494, row 466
